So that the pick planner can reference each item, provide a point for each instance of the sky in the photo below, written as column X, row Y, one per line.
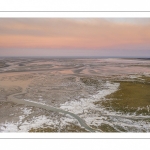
column 109, row 37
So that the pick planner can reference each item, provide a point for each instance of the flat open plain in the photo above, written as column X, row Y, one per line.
column 74, row 95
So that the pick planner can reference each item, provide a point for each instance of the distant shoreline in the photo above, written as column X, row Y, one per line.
column 75, row 57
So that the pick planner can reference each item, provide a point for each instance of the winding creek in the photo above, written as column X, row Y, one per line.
column 70, row 87
column 13, row 99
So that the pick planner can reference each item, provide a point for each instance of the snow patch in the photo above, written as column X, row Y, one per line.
column 85, row 107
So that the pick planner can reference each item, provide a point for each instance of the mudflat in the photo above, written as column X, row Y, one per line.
column 74, row 95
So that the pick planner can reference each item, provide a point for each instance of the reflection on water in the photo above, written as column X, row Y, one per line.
column 84, row 66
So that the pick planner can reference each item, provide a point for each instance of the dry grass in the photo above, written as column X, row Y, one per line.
column 132, row 96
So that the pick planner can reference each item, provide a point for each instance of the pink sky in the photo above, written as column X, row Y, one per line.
column 74, row 37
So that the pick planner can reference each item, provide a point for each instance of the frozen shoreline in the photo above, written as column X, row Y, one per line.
column 82, row 104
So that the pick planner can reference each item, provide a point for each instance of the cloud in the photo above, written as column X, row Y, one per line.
column 73, row 34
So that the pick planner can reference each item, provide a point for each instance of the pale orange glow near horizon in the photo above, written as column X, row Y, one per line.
column 74, row 34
